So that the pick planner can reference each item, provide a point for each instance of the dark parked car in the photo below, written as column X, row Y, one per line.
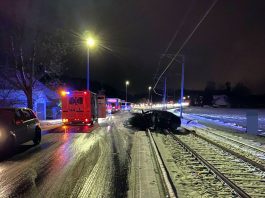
column 165, row 120
column 155, row 119
column 17, row 126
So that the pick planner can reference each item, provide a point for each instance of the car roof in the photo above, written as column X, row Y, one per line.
column 14, row 108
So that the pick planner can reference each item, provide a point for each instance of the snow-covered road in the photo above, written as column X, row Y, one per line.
column 71, row 161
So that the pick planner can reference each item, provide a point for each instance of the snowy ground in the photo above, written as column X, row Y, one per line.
column 203, row 125
column 224, row 117
column 143, row 175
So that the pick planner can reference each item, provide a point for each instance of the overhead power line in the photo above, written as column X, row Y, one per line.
column 175, row 36
column 185, row 42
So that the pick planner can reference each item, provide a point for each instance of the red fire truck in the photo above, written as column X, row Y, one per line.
column 79, row 107
column 101, row 106
column 113, row 105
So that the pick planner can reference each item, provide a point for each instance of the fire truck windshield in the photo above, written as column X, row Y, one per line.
column 79, row 100
column 72, row 100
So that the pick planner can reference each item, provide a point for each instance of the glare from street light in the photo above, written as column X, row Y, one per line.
column 149, row 88
column 127, row 82
column 90, row 42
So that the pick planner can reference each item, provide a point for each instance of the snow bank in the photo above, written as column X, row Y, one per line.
column 226, row 117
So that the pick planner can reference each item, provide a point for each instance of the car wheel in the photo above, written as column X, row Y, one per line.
column 153, row 123
column 37, row 138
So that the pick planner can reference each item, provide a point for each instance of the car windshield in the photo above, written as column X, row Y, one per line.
column 6, row 116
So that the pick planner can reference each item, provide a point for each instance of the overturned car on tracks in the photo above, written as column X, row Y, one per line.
column 155, row 119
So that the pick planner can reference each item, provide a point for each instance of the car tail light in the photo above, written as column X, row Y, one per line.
column 19, row 122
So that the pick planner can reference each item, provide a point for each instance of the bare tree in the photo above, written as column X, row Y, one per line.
column 32, row 56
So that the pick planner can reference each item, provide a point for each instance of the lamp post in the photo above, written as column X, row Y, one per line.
column 126, row 85
column 90, row 42
column 149, row 90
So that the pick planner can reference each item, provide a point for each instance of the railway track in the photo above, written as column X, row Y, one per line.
column 190, row 177
column 253, row 152
column 244, row 177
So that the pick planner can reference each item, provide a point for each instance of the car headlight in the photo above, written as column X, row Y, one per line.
column 1, row 134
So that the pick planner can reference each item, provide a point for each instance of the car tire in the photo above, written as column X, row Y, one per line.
column 37, row 139
column 153, row 123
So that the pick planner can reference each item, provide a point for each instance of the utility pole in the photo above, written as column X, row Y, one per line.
column 182, row 86
column 182, row 78
column 165, row 95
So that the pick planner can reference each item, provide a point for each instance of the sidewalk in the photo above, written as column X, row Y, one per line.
column 143, row 174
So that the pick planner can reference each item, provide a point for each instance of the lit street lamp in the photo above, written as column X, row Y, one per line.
column 90, row 42
column 126, row 84
column 149, row 89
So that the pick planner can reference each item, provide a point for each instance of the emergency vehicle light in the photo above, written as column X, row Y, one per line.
column 111, row 100
column 63, row 93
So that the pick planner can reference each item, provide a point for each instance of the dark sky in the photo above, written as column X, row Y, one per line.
column 228, row 46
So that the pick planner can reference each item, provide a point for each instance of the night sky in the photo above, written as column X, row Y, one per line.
column 228, row 46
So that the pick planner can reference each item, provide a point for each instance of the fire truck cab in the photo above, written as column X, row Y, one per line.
column 79, row 107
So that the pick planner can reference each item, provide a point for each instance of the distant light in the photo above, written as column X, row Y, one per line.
column 85, row 92
column 90, row 42
column 184, row 98
column 149, row 88
column 127, row 82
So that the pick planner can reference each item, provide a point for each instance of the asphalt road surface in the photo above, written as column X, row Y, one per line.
column 72, row 161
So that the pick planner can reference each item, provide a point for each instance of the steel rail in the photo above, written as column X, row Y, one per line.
column 253, row 163
column 166, row 179
column 242, row 143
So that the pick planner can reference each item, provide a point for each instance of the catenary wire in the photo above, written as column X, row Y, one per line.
column 185, row 42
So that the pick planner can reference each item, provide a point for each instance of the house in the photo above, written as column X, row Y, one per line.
column 220, row 101
column 46, row 103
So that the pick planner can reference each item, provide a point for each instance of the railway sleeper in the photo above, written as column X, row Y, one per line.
column 256, row 195
column 221, row 167
column 246, row 179
column 237, row 173
column 253, row 186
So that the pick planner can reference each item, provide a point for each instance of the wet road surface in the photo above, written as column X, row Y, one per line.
column 76, row 161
